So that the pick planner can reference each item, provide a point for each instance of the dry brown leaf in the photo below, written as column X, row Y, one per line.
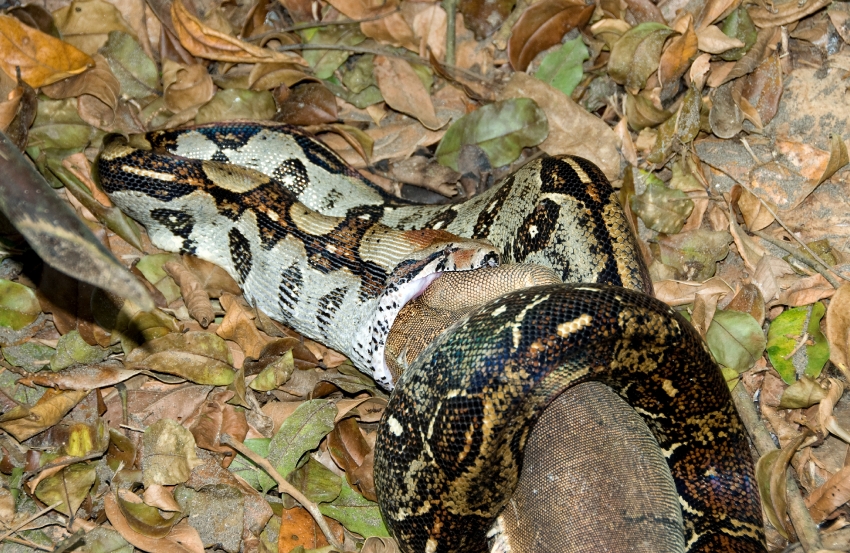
column 677, row 57
column 763, row 88
column 86, row 24
column 159, row 496
column 806, row 291
column 9, row 107
column 181, row 539
column 366, row 409
column 297, row 528
column 756, row 215
column 403, row 91
column 353, row 454
column 698, row 73
column 42, row 59
column 48, row 410
column 364, row 9
column 749, row 250
column 430, row 27
column 834, row 493
column 238, row 325
column 838, row 327
column 266, row 76
column 572, row 130
column 677, row 292
column 204, row 42
column 97, row 92
column 789, row 11
column 749, row 300
column 768, row 273
column 214, row 418
column 715, row 10
column 194, row 296
column 543, row 25
column 765, row 42
column 185, row 86
column 308, row 104
column 712, row 40
column 215, row 280
column 392, row 29
column 81, row 377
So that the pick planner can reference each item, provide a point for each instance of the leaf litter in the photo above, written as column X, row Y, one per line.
column 722, row 124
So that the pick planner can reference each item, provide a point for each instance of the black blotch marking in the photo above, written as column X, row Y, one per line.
column 446, row 216
column 329, row 304
column 559, row 177
column 293, row 173
column 240, row 252
column 535, row 231
column 492, row 209
column 219, row 156
column 179, row 223
column 290, row 286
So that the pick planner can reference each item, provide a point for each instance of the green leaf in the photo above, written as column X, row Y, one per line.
column 739, row 25
column 235, row 103
column 72, row 350
column 682, row 128
column 71, row 484
column 244, row 467
column 18, row 305
column 735, row 339
column 275, row 373
column 783, row 337
column 317, row 482
column 501, row 130
column 58, row 126
column 802, row 394
column 662, row 209
column 562, row 68
column 31, row 356
column 325, row 62
column 818, row 352
column 356, row 513
column 151, row 267
column 694, row 254
column 135, row 71
column 301, row 432
column 635, row 56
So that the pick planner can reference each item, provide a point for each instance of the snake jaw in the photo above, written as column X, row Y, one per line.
column 408, row 281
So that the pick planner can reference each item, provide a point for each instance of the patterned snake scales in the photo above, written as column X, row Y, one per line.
column 317, row 246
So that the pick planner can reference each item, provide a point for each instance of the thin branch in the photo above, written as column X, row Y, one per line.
column 285, row 487
column 410, row 58
column 28, row 520
column 800, row 343
column 451, row 11
column 807, row 531
column 302, row 26
column 29, row 543
column 815, row 256
column 796, row 255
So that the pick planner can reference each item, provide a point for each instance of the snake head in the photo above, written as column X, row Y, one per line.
column 438, row 252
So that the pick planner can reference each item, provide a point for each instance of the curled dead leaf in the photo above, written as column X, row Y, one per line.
column 204, row 42
column 185, row 86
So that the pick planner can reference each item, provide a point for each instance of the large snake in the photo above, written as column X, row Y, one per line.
column 319, row 247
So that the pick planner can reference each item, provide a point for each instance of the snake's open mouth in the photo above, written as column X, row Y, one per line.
column 408, row 282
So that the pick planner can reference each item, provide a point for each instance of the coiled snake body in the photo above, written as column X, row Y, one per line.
column 317, row 246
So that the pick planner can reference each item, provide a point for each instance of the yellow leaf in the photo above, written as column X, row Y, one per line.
column 43, row 59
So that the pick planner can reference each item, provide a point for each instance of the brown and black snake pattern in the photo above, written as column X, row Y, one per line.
column 450, row 447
